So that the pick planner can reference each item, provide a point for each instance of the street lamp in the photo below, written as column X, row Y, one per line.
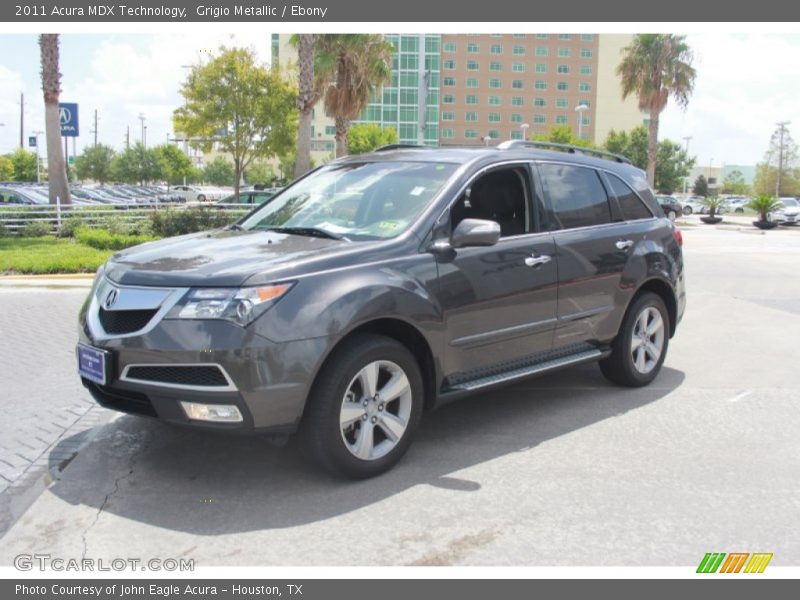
column 580, row 109
column 524, row 128
column 141, row 118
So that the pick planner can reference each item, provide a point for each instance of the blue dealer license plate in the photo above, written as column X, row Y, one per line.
column 92, row 363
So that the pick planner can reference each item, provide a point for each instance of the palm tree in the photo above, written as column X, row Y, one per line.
column 654, row 67
column 51, row 87
column 306, row 99
column 348, row 69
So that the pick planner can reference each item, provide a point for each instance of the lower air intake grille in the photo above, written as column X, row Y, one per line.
column 125, row 321
column 196, row 376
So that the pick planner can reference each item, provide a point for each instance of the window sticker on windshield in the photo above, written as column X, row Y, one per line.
column 417, row 190
column 389, row 225
column 333, row 228
column 440, row 167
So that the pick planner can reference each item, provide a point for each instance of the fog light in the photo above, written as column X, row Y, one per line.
column 219, row 413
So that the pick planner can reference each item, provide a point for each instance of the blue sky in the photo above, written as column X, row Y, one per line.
column 746, row 83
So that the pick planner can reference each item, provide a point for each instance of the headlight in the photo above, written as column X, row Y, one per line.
column 240, row 305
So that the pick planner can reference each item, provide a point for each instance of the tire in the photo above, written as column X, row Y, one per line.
column 687, row 210
column 201, row 197
column 621, row 367
column 350, row 435
column 739, row 210
column 672, row 215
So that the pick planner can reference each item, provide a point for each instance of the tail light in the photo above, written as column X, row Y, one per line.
column 676, row 233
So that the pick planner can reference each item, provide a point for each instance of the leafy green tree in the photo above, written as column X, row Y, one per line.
column 219, row 171
column 259, row 173
column 175, row 165
column 286, row 166
column 95, row 163
column 734, row 184
column 23, row 164
column 6, row 169
column 244, row 108
column 137, row 165
column 700, row 187
column 673, row 162
column 348, row 69
column 561, row 134
column 656, row 67
column 366, row 137
column 779, row 173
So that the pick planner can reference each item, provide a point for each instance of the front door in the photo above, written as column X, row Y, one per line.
column 498, row 302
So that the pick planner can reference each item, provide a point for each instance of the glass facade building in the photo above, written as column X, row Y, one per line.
column 416, row 72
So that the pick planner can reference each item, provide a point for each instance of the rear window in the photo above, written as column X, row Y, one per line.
column 631, row 205
column 577, row 195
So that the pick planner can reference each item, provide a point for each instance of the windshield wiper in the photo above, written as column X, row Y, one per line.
column 234, row 226
column 309, row 231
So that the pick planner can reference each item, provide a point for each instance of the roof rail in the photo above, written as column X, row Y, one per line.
column 564, row 148
column 400, row 147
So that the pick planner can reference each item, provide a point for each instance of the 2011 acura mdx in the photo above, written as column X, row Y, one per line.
column 381, row 285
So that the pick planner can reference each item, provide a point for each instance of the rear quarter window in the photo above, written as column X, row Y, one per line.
column 632, row 206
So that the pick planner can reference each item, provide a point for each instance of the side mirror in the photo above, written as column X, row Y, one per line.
column 475, row 232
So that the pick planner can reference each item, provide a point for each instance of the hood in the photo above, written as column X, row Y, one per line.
column 223, row 258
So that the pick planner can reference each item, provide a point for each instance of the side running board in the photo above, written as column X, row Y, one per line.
column 528, row 370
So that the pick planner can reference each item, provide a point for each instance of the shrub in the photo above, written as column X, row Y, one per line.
column 101, row 239
column 763, row 205
column 70, row 226
column 167, row 223
column 3, row 231
column 35, row 229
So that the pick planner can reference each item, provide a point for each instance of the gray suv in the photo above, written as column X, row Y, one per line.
column 379, row 286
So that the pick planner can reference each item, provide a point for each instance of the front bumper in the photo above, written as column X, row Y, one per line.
column 267, row 381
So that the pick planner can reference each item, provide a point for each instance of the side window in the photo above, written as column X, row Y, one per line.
column 631, row 205
column 502, row 196
column 577, row 195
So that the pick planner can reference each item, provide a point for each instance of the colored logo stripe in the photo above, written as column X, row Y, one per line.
column 734, row 562
column 758, row 563
column 711, row 562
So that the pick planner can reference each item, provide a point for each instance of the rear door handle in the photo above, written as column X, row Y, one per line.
column 624, row 244
column 535, row 261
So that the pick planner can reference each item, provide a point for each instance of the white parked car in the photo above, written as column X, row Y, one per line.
column 199, row 193
column 789, row 214
column 694, row 205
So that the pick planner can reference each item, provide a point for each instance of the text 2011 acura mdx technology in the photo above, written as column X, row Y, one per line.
column 381, row 285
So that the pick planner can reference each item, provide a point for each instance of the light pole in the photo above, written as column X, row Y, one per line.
column 141, row 118
column 686, row 139
column 38, row 173
column 524, row 128
column 580, row 109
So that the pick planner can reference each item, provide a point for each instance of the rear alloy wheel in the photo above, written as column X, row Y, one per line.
column 639, row 349
column 672, row 215
column 364, row 408
column 687, row 210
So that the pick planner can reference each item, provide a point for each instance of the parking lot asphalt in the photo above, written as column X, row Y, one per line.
column 561, row 470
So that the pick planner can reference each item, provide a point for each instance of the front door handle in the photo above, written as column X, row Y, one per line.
column 624, row 244
column 535, row 261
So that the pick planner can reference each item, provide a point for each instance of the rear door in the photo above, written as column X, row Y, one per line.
column 593, row 244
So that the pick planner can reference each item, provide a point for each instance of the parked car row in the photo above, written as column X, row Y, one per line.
column 37, row 194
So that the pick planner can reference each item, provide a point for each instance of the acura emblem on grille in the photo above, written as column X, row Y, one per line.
column 110, row 299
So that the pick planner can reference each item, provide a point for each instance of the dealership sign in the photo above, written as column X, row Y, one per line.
column 68, row 118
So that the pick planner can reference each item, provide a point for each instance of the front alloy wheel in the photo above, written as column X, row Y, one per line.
column 375, row 410
column 364, row 407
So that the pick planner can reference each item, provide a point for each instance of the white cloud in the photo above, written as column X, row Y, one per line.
column 745, row 84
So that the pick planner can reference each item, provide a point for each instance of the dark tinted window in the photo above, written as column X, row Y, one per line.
column 632, row 206
column 578, row 197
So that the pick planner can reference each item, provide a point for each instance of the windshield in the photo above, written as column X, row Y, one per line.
column 358, row 201
column 787, row 202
